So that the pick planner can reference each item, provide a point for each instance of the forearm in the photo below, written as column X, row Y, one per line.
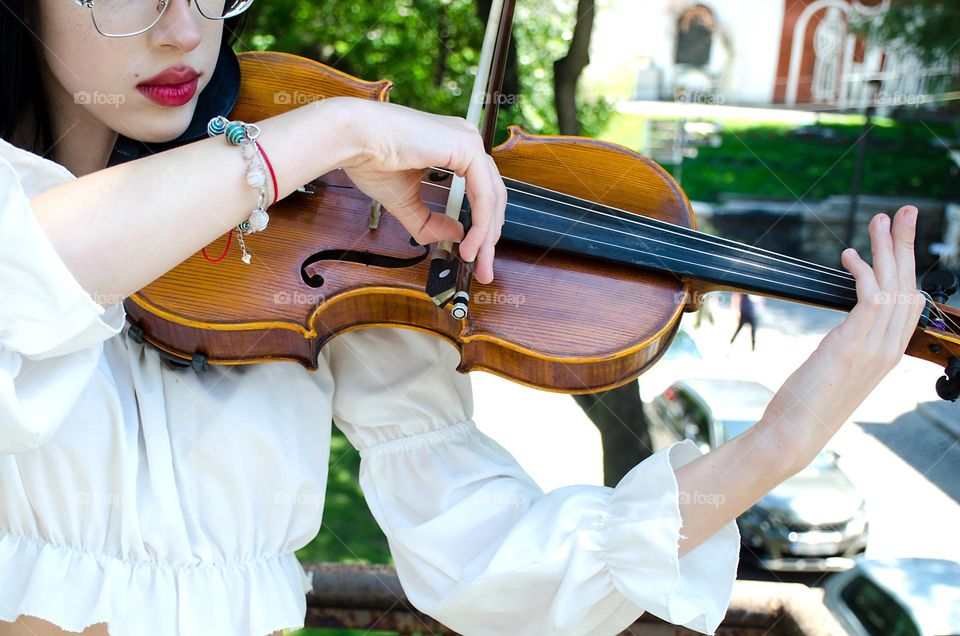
column 120, row 228
column 802, row 417
column 722, row 484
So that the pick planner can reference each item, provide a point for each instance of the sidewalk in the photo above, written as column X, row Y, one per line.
column 946, row 415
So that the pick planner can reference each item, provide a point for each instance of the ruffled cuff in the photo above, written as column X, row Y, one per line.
column 75, row 588
column 46, row 312
column 641, row 545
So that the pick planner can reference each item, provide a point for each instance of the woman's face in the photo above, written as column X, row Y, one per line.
column 90, row 74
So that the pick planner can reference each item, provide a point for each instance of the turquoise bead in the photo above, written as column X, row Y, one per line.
column 235, row 133
column 216, row 127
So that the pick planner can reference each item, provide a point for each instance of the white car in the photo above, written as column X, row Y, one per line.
column 897, row 597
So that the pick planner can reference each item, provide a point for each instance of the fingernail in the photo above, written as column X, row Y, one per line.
column 885, row 222
column 911, row 217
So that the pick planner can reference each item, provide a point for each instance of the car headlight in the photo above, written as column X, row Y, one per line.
column 856, row 524
column 859, row 520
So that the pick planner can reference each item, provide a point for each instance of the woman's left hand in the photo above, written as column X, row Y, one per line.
column 819, row 396
column 854, row 357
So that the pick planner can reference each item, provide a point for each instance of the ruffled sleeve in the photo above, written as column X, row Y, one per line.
column 51, row 329
column 477, row 544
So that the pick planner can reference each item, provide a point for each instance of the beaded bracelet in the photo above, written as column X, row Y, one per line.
column 245, row 135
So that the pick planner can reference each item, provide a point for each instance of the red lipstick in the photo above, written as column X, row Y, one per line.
column 175, row 86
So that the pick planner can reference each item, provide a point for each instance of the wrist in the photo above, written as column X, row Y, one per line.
column 341, row 125
column 786, row 441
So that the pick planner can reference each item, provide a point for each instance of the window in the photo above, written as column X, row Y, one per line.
column 731, row 428
column 876, row 610
column 694, row 36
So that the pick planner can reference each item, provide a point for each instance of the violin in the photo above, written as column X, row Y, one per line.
column 598, row 259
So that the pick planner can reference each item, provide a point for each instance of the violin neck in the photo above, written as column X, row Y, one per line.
column 548, row 219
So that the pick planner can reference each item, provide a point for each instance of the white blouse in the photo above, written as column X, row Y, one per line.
column 168, row 502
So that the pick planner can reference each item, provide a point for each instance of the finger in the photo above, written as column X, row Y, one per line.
column 864, row 313
column 438, row 227
column 885, row 272
column 904, row 232
column 905, row 319
column 881, row 250
column 422, row 224
column 483, row 201
column 910, row 301
column 483, row 271
column 485, row 256
column 501, row 188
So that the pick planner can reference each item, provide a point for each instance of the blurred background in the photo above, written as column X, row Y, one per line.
column 788, row 123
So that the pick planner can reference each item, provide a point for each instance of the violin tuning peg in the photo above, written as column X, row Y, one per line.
column 948, row 386
column 940, row 284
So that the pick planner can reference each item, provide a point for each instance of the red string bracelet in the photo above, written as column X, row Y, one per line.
column 273, row 178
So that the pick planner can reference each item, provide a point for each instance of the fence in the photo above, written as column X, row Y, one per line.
column 369, row 597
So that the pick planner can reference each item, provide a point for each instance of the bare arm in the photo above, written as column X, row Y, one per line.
column 120, row 228
column 819, row 396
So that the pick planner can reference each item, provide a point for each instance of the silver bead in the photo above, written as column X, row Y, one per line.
column 256, row 177
column 258, row 220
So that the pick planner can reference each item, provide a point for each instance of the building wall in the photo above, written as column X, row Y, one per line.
column 800, row 52
column 744, row 54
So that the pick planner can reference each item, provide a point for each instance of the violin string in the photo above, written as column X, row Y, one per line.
column 664, row 226
column 728, row 258
column 633, row 218
column 679, row 260
column 954, row 327
column 943, row 316
column 679, row 247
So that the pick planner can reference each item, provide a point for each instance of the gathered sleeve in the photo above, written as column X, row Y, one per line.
column 51, row 329
column 477, row 544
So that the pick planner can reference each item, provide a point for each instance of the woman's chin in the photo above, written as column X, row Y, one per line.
column 150, row 128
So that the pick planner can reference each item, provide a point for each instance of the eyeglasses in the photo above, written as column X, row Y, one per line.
column 122, row 18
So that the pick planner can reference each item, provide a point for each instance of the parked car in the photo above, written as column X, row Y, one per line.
column 814, row 521
column 896, row 597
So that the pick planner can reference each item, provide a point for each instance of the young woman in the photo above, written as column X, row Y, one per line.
column 140, row 499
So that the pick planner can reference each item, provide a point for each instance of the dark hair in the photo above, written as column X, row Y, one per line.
column 21, row 91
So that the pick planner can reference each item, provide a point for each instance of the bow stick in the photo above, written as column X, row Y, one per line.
column 449, row 276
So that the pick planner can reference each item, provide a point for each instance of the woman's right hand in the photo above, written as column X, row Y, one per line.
column 395, row 145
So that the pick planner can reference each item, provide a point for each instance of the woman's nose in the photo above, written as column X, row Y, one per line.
column 179, row 26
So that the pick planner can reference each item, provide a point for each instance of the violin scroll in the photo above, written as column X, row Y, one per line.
column 948, row 386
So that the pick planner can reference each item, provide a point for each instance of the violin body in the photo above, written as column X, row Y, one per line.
column 552, row 320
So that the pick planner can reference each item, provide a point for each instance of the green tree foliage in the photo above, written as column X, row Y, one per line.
column 930, row 28
column 429, row 49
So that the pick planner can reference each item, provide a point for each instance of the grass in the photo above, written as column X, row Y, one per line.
column 349, row 533
column 767, row 159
